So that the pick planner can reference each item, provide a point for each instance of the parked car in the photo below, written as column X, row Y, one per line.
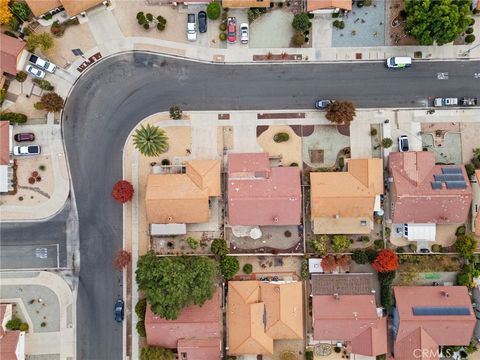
column 26, row 150
column 119, row 310
column 32, row 70
column 244, row 33
column 403, row 143
column 231, row 30
column 191, row 27
column 398, row 62
column 425, row 251
column 445, row 102
column 468, row 101
column 322, row 104
column 202, row 21
column 20, row 137
column 43, row 64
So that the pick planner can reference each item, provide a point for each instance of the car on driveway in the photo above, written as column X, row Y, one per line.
column 231, row 30
column 191, row 27
column 32, row 70
column 244, row 33
column 438, row 102
column 119, row 310
column 202, row 21
column 24, row 137
column 26, row 150
column 322, row 104
column 43, row 64
column 403, row 143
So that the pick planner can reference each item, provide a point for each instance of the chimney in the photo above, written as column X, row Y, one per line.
column 336, row 296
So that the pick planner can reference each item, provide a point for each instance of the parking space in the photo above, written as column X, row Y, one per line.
column 412, row 131
column 29, row 256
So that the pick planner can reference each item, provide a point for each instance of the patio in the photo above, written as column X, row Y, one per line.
column 321, row 148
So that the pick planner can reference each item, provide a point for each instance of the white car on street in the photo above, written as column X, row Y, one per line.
column 244, row 33
column 32, row 70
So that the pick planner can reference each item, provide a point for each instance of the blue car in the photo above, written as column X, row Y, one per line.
column 119, row 312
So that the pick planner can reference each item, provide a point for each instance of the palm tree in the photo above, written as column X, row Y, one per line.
column 150, row 140
column 340, row 112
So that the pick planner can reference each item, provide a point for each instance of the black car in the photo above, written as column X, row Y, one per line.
column 24, row 137
column 119, row 310
column 202, row 21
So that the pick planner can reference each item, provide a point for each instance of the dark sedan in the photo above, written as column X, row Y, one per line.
column 119, row 310
column 202, row 21
column 24, row 137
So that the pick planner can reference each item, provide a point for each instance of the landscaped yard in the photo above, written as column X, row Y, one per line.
column 290, row 151
column 321, row 148
column 272, row 30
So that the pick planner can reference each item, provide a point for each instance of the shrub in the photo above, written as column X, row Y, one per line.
column 387, row 142
column 337, row 349
column 193, row 243
column 140, row 308
column 461, row 230
column 319, row 245
column 339, row 24
column 161, row 20
column 367, row 2
column 141, row 20
column 21, row 10
column 146, row 26
column 165, row 162
column 219, row 247
column 58, row 29
column 412, row 247
column 222, row 36
column 341, row 162
column 340, row 243
column 309, row 354
column 140, row 15
column 373, row 132
column 14, row 118
column 23, row 327
column 298, row 39
column 14, row 323
column 470, row 38
column 247, row 268
column 44, row 84
column 38, row 106
column 214, row 10
column 379, row 244
column 52, row 102
column 21, row 76
column 141, row 328
column 42, row 167
column 43, row 324
column 469, row 31
column 386, row 261
column 122, row 191
column 371, row 255
column 465, row 246
column 156, row 353
column 229, row 266
column 360, row 257
column 301, row 22
column 223, row 26
column 471, row 22
column 365, row 238
column 470, row 169
column 287, row 233
column 437, row 248
column 386, row 279
column 304, row 273
column 149, row 17
column 281, row 137
column 400, row 250
column 160, row 27
column 175, row 112
column 13, row 24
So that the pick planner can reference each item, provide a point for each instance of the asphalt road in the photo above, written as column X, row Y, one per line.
column 112, row 97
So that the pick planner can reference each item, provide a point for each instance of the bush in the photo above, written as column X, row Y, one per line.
column 387, row 142
column 23, row 327
column 471, row 22
column 470, row 169
column 165, row 162
column 52, row 102
column 214, row 10
column 42, row 167
column 21, row 76
column 140, row 15
column 301, row 22
column 223, row 26
column 337, row 349
column 367, row 2
column 386, row 280
column 21, row 10
column 400, row 250
column 141, row 20
column 365, row 238
column 122, row 191
column 219, row 247
column 222, row 36
column 14, row 118
column 341, row 163
column 175, row 112
column 229, row 266
column 412, row 247
column 14, row 323
column 360, row 257
column 371, row 255
column 470, row 38
column 281, row 137
column 298, row 39
column 149, row 17
column 461, row 230
column 304, row 271
column 140, row 308
column 319, row 245
column 469, row 31
column 58, row 29
column 339, row 24
column 43, row 324
column 44, row 84
column 141, row 328
column 38, row 106
column 160, row 27
column 13, row 24
column 309, row 354
column 379, row 244
column 193, row 243
column 340, row 243
column 437, row 248
column 373, row 132
column 146, row 26
column 247, row 268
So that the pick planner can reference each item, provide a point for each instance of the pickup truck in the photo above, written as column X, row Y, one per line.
column 468, row 101
column 445, row 102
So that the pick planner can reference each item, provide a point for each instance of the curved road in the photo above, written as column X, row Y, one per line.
column 112, row 97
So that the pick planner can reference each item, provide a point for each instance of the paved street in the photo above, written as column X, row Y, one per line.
column 113, row 96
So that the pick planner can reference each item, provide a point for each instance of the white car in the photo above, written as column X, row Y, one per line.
column 191, row 27
column 32, row 70
column 403, row 143
column 43, row 64
column 26, row 150
column 244, row 33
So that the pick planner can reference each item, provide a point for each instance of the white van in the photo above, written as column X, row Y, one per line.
column 398, row 62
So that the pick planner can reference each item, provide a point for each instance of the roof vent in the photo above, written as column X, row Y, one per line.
column 336, row 296
column 445, row 294
column 275, row 219
column 169, row 218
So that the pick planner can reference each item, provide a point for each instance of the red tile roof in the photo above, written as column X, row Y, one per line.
column 9, row 50
column 431, row 331
column 8, row 345
column 260, row 195
column 194, row 322
column 414, row 199
column 199, row 349
column 4, row 142
column 351, row 318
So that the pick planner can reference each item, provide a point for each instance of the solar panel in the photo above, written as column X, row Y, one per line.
column 436, row 185
column 452, row 170
column 440, row 310
column 448, row 177
column 456, row 184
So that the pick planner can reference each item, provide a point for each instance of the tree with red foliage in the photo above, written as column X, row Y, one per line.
column 122, row 259
column 329, row 263
column 386, row 261
column 122, row 191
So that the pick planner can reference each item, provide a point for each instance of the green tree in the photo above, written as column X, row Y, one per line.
column 214, row 10
column 319, row 245
column 192, row 242
column 340, row 112
column 465, row 246
column 360, row 256
column 140, row 308
column 21, row 10
column 52, row 102
column 229, row 266
column 219, row 247
column 156, row 353
column 141, row 328
column 14, row 323
column 301, row 22
column 247, row 268
column 340, row 243
column 42, row 40
column 298, row 39
column 175, row 112
column 437, row 21
column 387, row 142
column 17, row 118
column 172, row 283
column 21, row 76
column 150, row 140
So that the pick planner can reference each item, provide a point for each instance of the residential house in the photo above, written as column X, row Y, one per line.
column 424, row 194
column 6, row 164
column 476, row 204
column 183, row 198
column 12, row 55
column 71, row 7
column 12, row 343
column 262, row 195
column 328, row 6
column 345, row 202
column 258, row 313
column 243, row 4
column 426, row 317
column 196, row 333
column 353, row 320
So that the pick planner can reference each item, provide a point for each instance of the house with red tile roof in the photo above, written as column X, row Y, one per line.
column 6, row 147
column 259, row 194
column 353, row 320
column 12, row 343
column 426, row 317
column 71, row 7
column 196, row 333
column 328, row 6
column 12, row 54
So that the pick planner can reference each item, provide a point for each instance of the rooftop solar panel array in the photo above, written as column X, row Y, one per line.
column 449, row 177
column 452, row 170
column 456, row 184
column 436, row 185
column 440, row 311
